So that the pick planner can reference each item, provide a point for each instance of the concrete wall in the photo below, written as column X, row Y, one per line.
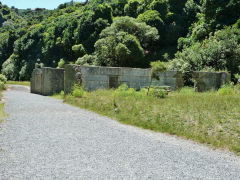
column 47, row 81
column 205, row 81
column 93, row 77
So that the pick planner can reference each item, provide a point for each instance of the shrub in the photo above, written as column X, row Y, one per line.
column 156, row 68
column 86, row 60
column 123, row 91
column 226, row 90
column 2, row 85
column 61, row 63
column 78, row 91
column 9, row 69
column 220, row 51
column 125, row 43
column 158, row 93
column 3, row 78
column 123, row 87
column 79, row 50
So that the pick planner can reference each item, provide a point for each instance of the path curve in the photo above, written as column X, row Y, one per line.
column 43, row 138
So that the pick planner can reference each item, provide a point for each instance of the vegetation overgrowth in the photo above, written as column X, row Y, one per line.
column 189, row 34
column 210, row 117
column 3, row 81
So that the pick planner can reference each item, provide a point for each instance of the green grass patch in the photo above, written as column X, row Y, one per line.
column 59, row 95
column 23, row 83
column 2, row 113
column 207, row 117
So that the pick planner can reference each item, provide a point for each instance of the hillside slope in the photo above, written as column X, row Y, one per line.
column 121, row 33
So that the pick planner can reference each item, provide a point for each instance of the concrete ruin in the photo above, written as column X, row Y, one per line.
column 47, row 81
column 206, row 81
column 93, row 78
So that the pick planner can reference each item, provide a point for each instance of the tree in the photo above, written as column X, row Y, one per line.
column 220, row 51
column 161, row 6
column 152, row 18
column 145, row 34
column 156, row 68
column 79, row 50
column 124, row 43
column 122, row 50
column 130, row 9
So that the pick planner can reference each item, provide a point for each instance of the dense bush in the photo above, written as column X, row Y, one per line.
column 158, row 92
column 3, row 78
column 124, row 42
column 3, row 81
column 78, row 91
column 220, row 51
column 229, row 89
column 10, row 70
column 86, row 60
column 79, row 50
column 61, row 63
column 121, row 33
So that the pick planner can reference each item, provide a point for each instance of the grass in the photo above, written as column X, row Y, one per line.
column 59, row 95
column 2, row 113
column 209, row 117
column 23, row 83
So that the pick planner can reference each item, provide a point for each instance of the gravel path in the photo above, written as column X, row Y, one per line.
column 45, row 139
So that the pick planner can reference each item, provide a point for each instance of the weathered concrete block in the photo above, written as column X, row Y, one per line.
column 93, row 77
column 135, row 72
column 88, row 70
column 205, row 81
column 72, row 75
column 89, row 77
column 110, row 71
column 36, row 81
column 47, row 81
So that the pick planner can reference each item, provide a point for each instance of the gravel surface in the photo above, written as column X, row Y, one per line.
column 42, row 138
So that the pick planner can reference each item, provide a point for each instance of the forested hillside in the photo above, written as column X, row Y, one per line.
column 189, row 34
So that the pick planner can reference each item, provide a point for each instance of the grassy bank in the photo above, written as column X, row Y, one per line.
column 2, row 113
column 212, row 118
column 23, row 83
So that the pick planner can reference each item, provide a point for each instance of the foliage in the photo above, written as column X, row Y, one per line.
column 114, row 33
column 120, row 50
column 158, row 93
column 229, row 89
column 3, row 78
column 156, row 68
column 131, row 8
column 144, row 33
column 220, row 51
column 79, row 50
column 2, row 86
column 61, row 63
column 152, row 18
column 124, row 91
column 10, row 70
column 78, row 91
column 3, row 81
column 123, row 43
column 86, row 60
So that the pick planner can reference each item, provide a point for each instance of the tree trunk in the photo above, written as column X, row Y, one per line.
column 149, row 86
